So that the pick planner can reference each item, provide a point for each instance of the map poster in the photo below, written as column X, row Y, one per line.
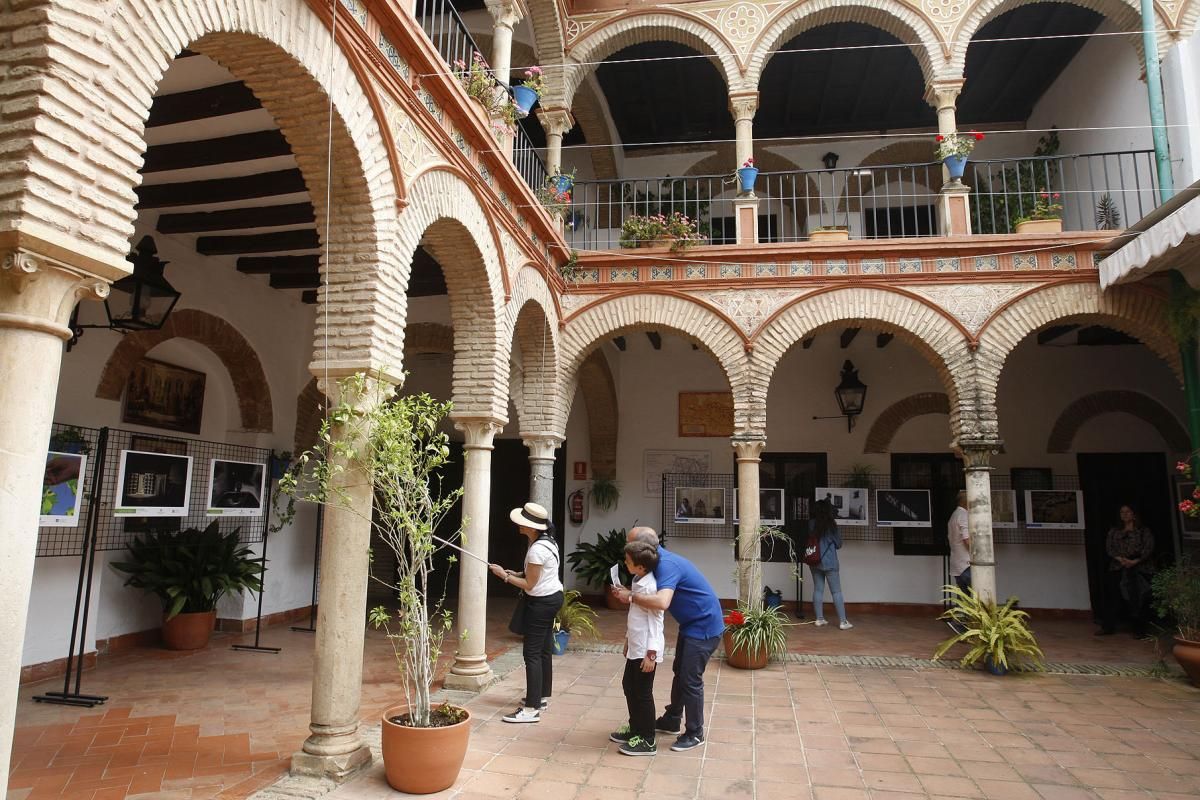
column 656, row 462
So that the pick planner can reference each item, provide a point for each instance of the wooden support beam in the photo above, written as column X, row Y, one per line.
column 807, row 343
column 309, row 297
column 655, row 339
column 848, row 336
column 619, row 341
column 272, row 265
column 211, row 101
column 258, row 243
column 302, row 281
column 220, row 190
column 237, row 218
column 884, row 339
column 206, row 152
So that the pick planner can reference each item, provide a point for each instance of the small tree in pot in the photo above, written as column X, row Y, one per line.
column 397, row 444
column 1177, row 596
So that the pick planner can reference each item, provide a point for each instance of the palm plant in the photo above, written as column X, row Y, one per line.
column 998, row 634
column 591, row 562
column 575, row 616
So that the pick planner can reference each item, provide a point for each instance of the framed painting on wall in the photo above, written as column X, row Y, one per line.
column 1054, row 508
column 160, row 395
column 706, row 414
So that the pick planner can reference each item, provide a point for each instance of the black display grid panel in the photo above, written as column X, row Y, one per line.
column 70, row 541
column 721, row 528
column 115, row 533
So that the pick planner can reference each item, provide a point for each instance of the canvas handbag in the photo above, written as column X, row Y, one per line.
column 517, row 623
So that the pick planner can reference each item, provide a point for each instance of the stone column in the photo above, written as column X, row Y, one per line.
column 41, row 281
column 505, row 15
column 335, row 748
column 743, row 107
column 470, row 669
column 748, row 450
column 977, row 457
column 954, row 211
column 943, row 95
column 541, row 468
column 556, row 122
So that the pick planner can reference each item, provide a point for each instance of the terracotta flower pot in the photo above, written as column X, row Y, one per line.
column 423, row 760
column 1187, row 653
column 741, row 658
column 188, row 631
column 829, row 236
column 1040, row 226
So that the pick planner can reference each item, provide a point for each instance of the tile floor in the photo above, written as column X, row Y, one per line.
column 224, row 723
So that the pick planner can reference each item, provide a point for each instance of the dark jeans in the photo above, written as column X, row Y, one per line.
column 687, row 687
column 539, row 646
column 639, row 696
column 1136, row 607
column 963, row 581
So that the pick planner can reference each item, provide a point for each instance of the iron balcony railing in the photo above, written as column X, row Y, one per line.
column 449, row 34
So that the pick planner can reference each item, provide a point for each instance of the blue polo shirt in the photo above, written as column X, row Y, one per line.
column 694, row 605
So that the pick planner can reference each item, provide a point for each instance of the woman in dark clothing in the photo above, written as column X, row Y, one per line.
column 1129, row 546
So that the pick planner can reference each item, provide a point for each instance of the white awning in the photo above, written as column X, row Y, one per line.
column 1172, row 242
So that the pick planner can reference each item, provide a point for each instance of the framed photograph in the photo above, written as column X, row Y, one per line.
column 62, row 490
column 1054, row 508
column 699, row 505
column 152, row 485
column 849, row 505
column 160, row 395
column 706, row 414
column 236, row 488
column 1004, row 508
column 770, row 507
column 1190, row 526
column 1025, row 478
column 903, row 508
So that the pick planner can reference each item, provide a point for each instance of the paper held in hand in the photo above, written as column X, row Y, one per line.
column 614, row 572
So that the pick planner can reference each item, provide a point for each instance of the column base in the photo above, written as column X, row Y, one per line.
column 469, row 683
column 338, row 767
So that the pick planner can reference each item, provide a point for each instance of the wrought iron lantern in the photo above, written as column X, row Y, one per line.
column 138, row 302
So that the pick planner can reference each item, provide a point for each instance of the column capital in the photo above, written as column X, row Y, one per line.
column 505, row 13
column 542, row 445
column 748, row 448
column 977, row 453
column 556, row 120
column 479, row 431
column 42, row 282
column 943, row 94
column 743, row 105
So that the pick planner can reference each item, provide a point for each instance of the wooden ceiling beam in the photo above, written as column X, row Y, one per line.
column 275, row 265
column 848, row 336
column 884, row 339
column 220, row 190
column 222, row 150
column 258, row 243
column 655, row 339
column 237, row 218
column 619, row 341
column 211, row 101
column 311, row 281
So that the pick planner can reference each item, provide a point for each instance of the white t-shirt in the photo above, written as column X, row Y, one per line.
column 644, row 628
column 958, row 533
column 544, row 552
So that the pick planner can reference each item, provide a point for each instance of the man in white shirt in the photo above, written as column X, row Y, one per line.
column 959, row 536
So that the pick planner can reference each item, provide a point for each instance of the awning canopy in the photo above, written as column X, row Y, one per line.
column 1168, row 238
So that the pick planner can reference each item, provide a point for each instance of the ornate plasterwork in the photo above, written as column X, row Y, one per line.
column 749, row 308
column 514, row 256
column 572, row 302
column 971, row 304
column 944, row 14
column 741, row 23
column 413, row 149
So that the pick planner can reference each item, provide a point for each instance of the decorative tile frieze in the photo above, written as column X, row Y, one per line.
column 766, row 270
column 431, row 105
column 800, row 269
column 986, row 263
column 695, row 272
column 486, row 174
column 947, row 264
column 837, row 266
column 1026, row 261
column 460, row 142
column 623, row 275
column 873, row 266
column 731, row 270
column 662, row 273
column 393, row 56
column 1062, row 261
column 910, row 265
column 588, row 276
column 357, row 10
column 970, row 303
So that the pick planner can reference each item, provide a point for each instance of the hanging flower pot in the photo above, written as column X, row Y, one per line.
column 746, row 178
column 525, row 98
column 563, row 183
column 956, row 166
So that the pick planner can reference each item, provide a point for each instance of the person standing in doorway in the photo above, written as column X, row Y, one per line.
column 958, row 535
column 829, row 541
column 1129, row 546
column 687, row 594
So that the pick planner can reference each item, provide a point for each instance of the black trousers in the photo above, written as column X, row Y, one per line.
column 1115, row 603
column 639, row 696
column 687, row 685
column 539, row 647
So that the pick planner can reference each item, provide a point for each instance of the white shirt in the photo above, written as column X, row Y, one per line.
column 544, row 552
column 644, row 629
column 958, row 533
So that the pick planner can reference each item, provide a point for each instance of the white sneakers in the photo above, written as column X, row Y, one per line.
column 845, row 625
column 820, row 623
column 523, row 714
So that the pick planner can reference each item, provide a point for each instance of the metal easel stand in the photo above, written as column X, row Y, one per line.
column 312, row 608
column 83, row 595
column 256, row 647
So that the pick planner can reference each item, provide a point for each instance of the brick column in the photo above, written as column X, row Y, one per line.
column 470, row 669
column 556, row 122
column 541, row 468
column 977, row 457
column 505, row 14
column 749, row 565
column 42, row 278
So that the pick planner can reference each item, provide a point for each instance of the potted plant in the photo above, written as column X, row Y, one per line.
column 605, row 493
column 1177, row 596
column 591, row 562
column 563, row 181
column 648, row 231
column 529, row 91
column 754, row 635
column 574, row 616
column 479, row 83
column 860, row 476
column 830, row 233
column 1000, row 635
column 1046, row 216
column 69, row 439
column 190, row 571
column 953, row 149
column 1108, row 216
column 747, row 174
column 556, row 200
column 397, row 444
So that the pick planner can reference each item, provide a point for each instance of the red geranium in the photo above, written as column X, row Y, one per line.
column 978, row 136
column 734, row 618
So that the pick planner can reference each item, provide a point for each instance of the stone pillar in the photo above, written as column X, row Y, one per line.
column 335, row 748
column 745, row 210
column 954, row 209
column 943, row 95
column 505, row 15
column 977, row 457
column 541, row 468
column 41, row 281
column 470, row 669
column 556, row 122
column 748, row 449
column 743, row 106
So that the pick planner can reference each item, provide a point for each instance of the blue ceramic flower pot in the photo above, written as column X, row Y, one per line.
column 746, row 178
column 560, row 642
column 525, row 98
column 563, row 183
column 956, row 165
column 992, row 666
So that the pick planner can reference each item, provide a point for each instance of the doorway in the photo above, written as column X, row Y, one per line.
column 1109, row 481
column 942, row 475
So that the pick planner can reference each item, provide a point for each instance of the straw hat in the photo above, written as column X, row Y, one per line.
column 531, row 515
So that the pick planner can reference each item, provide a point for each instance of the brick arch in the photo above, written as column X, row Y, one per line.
column 897, row 18
column 280, row 49
column 887, row 424
column 940, row 339
column 532, row 330
column 599, row 390
column 447, row 219
column 310, row 412
column 659, row 310
column 226, row 343
column 661, row 25
column 1145, row 408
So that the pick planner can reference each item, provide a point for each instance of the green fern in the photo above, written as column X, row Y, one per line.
column 998, row 633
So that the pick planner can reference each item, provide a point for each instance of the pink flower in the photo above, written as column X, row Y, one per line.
column 1186, row 506
column 1182, row 466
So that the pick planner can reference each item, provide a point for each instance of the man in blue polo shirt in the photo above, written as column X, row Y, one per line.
column 690, row 598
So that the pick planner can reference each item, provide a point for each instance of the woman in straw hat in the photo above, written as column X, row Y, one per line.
column 543, row 596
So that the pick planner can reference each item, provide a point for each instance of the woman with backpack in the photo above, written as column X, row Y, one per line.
column 824, row 564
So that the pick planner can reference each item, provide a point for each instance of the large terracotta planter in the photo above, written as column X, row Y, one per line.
column 423, row 760
column 835, row 235
column 188, row 631
column 1187, row 653
column 1040, row 226
column 741, row 658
